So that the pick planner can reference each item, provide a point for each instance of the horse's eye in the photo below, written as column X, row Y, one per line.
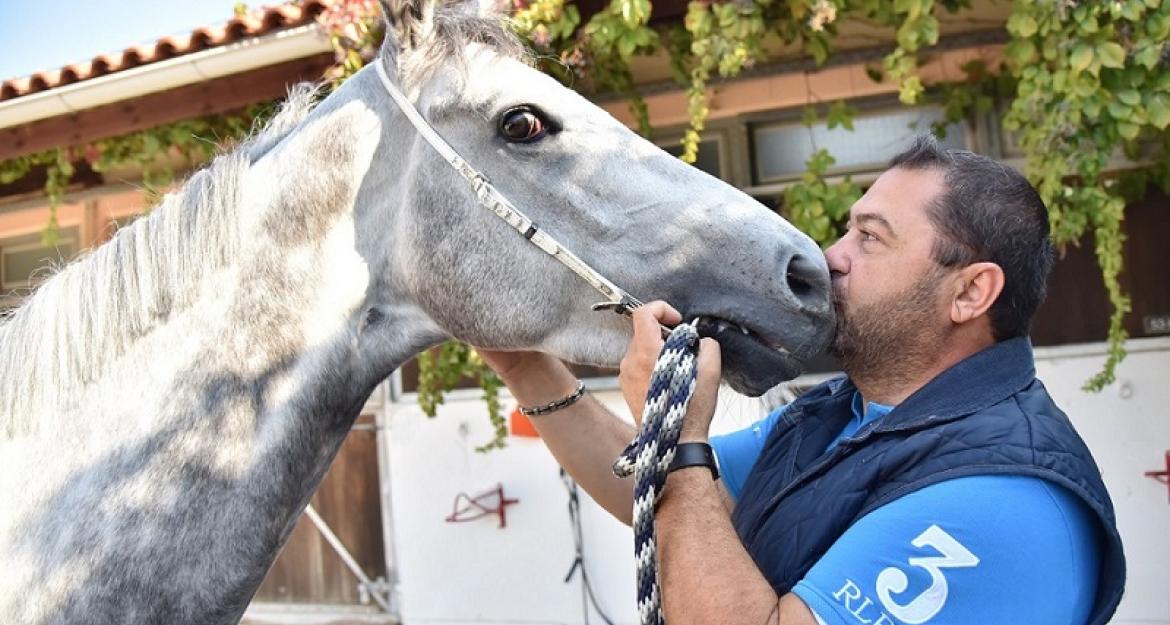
column 522, row 125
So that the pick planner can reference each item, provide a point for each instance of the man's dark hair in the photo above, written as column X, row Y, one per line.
column 988, row 212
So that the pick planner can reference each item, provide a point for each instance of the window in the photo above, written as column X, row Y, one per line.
column 780, row 150
column 25, row 261
column 710, row 157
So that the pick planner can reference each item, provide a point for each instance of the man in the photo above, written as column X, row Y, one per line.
column 937, row 483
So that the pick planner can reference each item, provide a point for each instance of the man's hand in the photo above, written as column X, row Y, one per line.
column 638, row 364
column 642, row 353
column 701, row 410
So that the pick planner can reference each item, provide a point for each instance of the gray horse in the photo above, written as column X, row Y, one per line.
column 169, row 403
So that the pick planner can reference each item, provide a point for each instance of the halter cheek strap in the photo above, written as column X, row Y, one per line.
column 491, row 199
column 671, row 387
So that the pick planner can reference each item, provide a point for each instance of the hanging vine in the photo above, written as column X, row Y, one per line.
column 1093, row 82
column 1083, row 82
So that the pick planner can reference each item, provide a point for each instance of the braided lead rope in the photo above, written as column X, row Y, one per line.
column 646, row 458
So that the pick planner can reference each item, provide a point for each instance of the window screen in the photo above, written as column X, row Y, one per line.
column 781, row 150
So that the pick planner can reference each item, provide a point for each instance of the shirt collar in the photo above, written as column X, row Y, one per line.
column 872, row 412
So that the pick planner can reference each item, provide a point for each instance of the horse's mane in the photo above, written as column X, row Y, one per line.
column 91, row 310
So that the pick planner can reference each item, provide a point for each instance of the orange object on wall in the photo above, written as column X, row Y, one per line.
column 521, row 425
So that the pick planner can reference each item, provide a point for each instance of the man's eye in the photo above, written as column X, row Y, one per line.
column 865, row 236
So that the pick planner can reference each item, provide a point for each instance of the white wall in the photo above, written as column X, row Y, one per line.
column 477, row 573
column 1127, row 427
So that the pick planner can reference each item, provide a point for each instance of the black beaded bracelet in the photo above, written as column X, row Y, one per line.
column 554, row 406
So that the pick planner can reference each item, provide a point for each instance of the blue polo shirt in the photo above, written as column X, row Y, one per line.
column 966, row 551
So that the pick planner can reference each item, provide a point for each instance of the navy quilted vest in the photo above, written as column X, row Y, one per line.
column 986, row 415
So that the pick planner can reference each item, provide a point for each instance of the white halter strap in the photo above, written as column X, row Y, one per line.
column 491, row 199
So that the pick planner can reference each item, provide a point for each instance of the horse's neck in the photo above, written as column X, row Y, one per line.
column 200, row 443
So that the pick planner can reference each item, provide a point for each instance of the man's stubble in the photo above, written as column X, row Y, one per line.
column 891, row 340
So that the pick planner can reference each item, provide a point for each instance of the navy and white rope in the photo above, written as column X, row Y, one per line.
column 646, row 458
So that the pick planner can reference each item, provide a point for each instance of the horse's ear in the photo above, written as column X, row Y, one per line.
column 408, row 22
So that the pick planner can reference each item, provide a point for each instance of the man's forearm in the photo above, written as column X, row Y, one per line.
column 585, row 437
column 707, row 575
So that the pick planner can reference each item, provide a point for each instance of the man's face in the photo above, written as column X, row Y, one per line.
column 890, row 310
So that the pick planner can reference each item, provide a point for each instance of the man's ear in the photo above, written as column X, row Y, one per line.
column 977, row 286
column 408, row 23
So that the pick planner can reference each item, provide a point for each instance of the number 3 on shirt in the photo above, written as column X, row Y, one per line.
column 923, row 607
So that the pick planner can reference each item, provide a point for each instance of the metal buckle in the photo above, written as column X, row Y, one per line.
column 626, row 306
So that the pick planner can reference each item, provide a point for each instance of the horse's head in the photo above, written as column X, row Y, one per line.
column 652, row 224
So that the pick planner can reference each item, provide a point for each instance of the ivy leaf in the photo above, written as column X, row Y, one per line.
column 841, row 114
column 1022, row 25
column 930, row 30
column 1159, row 111
column 1112, row 54
column 1082, row 57
column 1132, row 11
column 1085, row 86
column 1128, row 131
column 1088, row 25
column 810, row 116
column 1091, row 107
column 1149, row 56
column 1130, row 97
column 818, row 47
column 1021, row 51
column 1158, row 27
column 910, row 90
column 626, row 45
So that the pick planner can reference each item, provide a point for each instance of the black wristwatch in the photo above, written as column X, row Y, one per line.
column 694, row 455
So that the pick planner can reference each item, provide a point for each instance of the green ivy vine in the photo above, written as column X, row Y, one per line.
column 1093, row 83
column 440, row 370
column 1083, row 82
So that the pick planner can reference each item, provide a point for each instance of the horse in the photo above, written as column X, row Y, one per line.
column 170, row 401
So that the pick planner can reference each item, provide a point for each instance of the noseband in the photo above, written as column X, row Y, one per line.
column 617, row 299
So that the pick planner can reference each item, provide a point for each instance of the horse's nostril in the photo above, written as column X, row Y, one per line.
column 804, row 277
column 799, row 286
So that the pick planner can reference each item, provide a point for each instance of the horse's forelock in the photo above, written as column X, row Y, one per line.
column 454, row 31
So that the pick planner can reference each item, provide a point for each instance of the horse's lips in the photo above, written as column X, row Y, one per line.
column 750, row 366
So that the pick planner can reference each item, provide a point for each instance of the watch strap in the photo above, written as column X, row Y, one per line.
column 694, row 455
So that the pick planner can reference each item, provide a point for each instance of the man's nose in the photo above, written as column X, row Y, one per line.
column 836, row 258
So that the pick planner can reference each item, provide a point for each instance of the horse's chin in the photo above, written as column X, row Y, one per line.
column 750, row 366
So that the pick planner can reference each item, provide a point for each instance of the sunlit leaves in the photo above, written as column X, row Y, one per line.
column 441, row 369
column 841, row 113
column 1112, row 54
column 817, row 207
column 1099, row 87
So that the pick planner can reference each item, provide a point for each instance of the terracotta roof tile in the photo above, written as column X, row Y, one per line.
column 262, row 22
